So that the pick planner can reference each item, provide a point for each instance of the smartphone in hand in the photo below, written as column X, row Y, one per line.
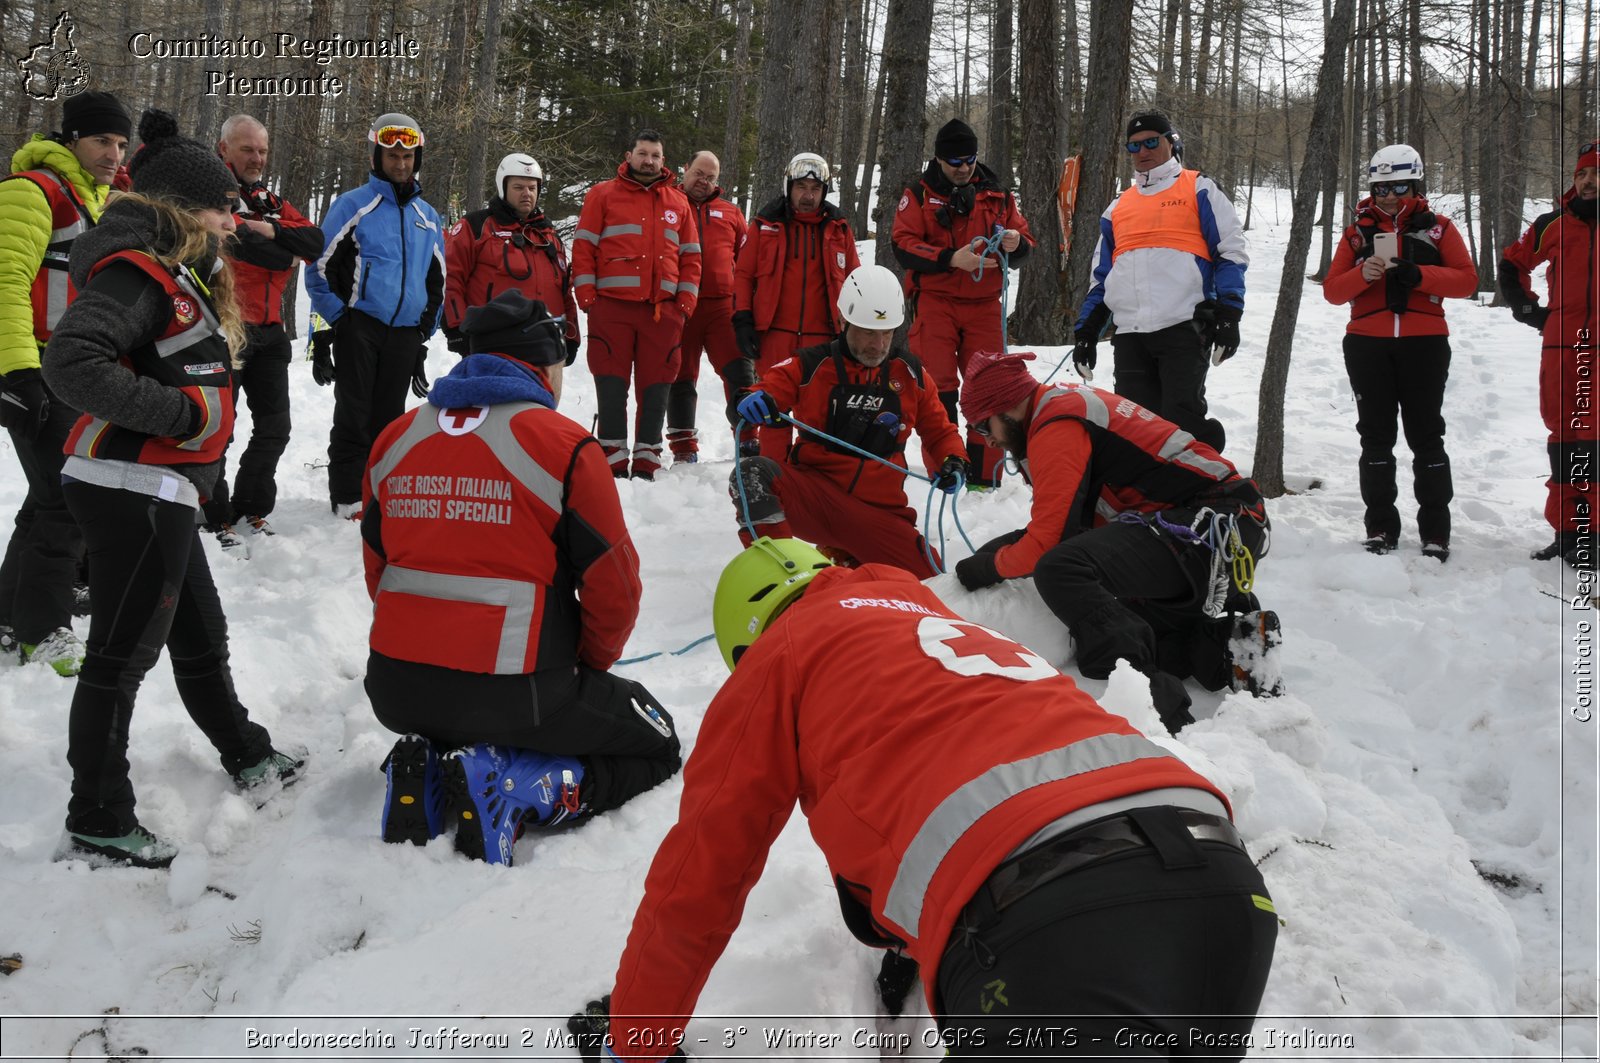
column 1386, row 247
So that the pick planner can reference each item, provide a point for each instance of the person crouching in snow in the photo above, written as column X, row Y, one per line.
column 1136, row 538
column 978, row 813
column 504, row 586
column 863, row 392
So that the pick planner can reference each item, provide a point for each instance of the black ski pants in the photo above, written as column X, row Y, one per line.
column 1402, row 379
column 264, row 379
column 1165, row 372
column 1157, row 952
column 149, row 586
column 373, row 366
column 597, row 716
column 41, row 559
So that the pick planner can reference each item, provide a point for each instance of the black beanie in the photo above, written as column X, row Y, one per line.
column 89, row 113
column 1148, row 122
column 176, row 168
column 955, row 140
column 513, row 324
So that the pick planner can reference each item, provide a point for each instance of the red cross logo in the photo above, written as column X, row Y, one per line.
column 971, row 649
column 973, row 640
column 462, row 420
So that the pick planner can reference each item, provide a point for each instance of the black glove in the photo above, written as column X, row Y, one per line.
column 1406, row 273
column 1171, row 701
column 952, row 474
column 895, row 979
column 744, row 333
column 24, row 403
column 1532, row 315
column 572, row 349
column 977, row 572
column 419, row 373
column 1219, row 324
column 455, row 340
column 1084, row 355
column 322, row 357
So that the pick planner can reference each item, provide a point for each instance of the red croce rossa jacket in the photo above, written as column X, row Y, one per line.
column 898, row 779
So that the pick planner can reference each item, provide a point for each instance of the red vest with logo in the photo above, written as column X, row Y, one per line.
column 69, row 218
column 191, row 354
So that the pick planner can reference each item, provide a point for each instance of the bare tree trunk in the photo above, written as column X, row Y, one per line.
column 997, row 143
column 775, row 144
column 296, row 145
column 1037, row 318
column 733, row 123
column 1110, row 45
column 1321, row 147
column 1288, row 123
column 1586, row 73
column 1255, row 151
column 855, row 80
column 1167, row 72
column 906, row 40
column 1200, row 102
column 1416, row 127
column 1071, row 76
column 1231, row 173
column 484, row 99
column 869, row 157
column 1488, row 175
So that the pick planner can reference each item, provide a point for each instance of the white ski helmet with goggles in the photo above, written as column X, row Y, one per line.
column 518, row 165
column 1397, row 162
column 808, row 165
column 871, row 298
column 395, row 130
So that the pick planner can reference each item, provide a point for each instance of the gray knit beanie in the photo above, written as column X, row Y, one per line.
column 176, row 168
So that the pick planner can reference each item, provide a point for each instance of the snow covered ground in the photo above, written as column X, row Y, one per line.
column 1422, row 802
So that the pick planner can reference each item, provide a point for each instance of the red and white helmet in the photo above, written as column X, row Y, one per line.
column 518, row 165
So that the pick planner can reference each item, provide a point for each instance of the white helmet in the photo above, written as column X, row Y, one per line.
column 870, row 298
column 1397, row 162
column 804, row 165
column 517, row 165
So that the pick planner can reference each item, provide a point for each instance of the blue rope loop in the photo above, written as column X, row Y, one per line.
column 672, row 653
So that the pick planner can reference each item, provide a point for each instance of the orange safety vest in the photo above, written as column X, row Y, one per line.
column 1168, row 219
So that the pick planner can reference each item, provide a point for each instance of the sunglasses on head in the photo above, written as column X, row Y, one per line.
column 1391, row 188
column 1147, row 144
column 1593, row 145
column 965, row 160
column 398, row 136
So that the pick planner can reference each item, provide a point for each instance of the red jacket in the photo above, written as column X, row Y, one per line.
column 191, row 354
column 491, row 250
column 1566, row 241
column 262, row 267
column 875, row 409
column 495, row 543
column 1383, row 307
column 636, row 242
column 1093, row 454
column 791, row 269
column 875, row 767
column 722, row 230
column 927, row 231
column 52, row 288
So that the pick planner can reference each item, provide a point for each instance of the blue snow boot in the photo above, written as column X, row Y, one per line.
column 495, row 791
column 414, row 805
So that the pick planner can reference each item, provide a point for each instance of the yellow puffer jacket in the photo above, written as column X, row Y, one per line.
column 24, row 234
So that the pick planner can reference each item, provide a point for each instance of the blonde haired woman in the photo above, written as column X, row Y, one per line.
column 146, row 351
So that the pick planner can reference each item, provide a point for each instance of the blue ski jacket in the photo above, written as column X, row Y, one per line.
column 384, row 256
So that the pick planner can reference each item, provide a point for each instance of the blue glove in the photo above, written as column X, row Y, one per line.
column 758, row 408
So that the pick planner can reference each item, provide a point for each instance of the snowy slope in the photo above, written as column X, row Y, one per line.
column 1426, row 736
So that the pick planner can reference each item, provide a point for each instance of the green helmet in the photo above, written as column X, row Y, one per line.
column 758, row 585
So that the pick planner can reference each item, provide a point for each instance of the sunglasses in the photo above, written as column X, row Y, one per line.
column 965, row 160
column 398, row 136
column 981, row 427
column 1147, row 144
column 1392, row 188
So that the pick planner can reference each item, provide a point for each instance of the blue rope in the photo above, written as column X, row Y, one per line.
column 991, row 246
column 673, row 653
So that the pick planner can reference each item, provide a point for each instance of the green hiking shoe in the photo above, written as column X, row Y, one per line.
column 61, row 650
column 274, row 767
column 137, row 848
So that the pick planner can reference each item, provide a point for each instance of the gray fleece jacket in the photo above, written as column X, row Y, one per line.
column 109, row 318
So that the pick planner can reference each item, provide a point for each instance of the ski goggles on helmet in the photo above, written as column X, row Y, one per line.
column 1391, row 188
column 1593, row 145
column 960, row 161
column 809, row 169
column 1147, row 144
column 398, row 136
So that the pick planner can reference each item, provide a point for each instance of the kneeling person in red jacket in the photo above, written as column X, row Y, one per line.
column 504, row 586
column 861, row 392
column 979, row 814
column 1136, row 530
